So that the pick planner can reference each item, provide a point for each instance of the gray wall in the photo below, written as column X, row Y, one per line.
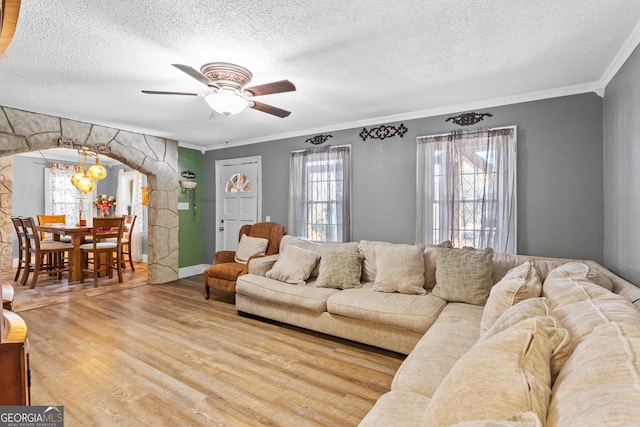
column 560, row 191
column 622, row 171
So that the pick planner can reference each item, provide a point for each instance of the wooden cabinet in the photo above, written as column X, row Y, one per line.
column 14, row 361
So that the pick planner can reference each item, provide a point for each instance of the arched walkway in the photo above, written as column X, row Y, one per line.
column 22, row 131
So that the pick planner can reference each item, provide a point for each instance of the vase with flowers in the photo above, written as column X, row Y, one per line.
column 104, row 204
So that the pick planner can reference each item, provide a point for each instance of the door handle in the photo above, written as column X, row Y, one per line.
column 221, row 228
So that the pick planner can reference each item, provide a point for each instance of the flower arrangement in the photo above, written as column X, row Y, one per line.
column 104, row 204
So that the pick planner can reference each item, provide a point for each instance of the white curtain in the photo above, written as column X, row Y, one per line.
column 129, row 194
column 62, row 198
column 466, row 189
column 320, row 194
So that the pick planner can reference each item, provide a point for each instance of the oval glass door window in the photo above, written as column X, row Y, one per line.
column 238, row 183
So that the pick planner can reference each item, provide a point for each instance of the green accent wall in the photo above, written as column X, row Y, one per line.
column 191, row 236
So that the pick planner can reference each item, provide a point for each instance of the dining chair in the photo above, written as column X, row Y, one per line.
column 55, row 250
column 129, row 222
column 22, row 249
column 106, row 240
column 49, row 220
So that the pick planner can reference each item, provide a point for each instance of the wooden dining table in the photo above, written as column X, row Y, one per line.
column 77, row 234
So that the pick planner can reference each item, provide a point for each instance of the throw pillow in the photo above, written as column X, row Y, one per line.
column 520, row 283
column 539, row 309
column 339, row 270
column 496, row 378
column 294, row 265
column 250, row 246
column 464, row 275
column 368, row 251
column 430, row 261
column 399, row 269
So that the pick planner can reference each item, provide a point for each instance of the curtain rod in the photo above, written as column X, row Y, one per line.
column 466, row 131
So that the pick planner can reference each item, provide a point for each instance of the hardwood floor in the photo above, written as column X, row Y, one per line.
column 135, row 354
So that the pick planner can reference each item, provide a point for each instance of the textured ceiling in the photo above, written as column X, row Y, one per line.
column 354, row 62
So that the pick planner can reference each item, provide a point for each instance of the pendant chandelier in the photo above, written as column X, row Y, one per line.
column 85, row 179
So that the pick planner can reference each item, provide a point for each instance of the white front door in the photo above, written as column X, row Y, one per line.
column 237, row 198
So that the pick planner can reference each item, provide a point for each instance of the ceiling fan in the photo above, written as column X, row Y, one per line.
column 228, row 94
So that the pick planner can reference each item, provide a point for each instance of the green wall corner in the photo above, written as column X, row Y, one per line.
column 191, row 235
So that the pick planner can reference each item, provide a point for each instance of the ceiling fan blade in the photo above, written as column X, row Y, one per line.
column 158, row 92
column 269, row 88
column 196, row 75
column 270, row 109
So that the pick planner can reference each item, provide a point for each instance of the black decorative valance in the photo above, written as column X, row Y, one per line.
column 318, row 139
column 468, row 119
column 383, row 132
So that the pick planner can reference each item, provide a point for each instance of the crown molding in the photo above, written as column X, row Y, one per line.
column 628, row 47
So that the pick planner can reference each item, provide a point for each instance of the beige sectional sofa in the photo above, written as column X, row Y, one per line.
column 491, row 339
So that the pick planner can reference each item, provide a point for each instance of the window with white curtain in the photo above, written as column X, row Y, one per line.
column 319, row 194
column 466, row 189
column 62, row 198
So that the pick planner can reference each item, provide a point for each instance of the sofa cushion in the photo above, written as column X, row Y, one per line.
column 227, row 270
column 294, row 265
column 250, row 246
column 412, row 312
column 446, row 341
column 518, row 357
column 524, row 419
column 307, row 297
column 600, row 384
column 539, row 309
column 464, row 275
column 396, row 408
column 400, row 269
column 520, row 283
column 339, row 270
column 581, row 305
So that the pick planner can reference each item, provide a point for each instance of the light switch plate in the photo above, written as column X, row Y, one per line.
column 183, row 206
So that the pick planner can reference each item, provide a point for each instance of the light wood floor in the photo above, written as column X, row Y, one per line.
column 161, row 355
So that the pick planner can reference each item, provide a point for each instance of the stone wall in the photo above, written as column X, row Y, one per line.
column 157, row 158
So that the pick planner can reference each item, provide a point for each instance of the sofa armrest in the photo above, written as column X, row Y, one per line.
column 260, row 265
column 223, row 256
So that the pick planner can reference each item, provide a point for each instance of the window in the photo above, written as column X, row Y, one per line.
column 239, row 183
column 62, row 198
column 467, row 189
column 319, row 194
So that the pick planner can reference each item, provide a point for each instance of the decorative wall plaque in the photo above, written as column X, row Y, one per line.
column 318, row 139
column 383, row 132
column 468, row 119
column 65, row 142
column 188, row 174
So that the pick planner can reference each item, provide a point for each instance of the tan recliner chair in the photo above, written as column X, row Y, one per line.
column 224, row 271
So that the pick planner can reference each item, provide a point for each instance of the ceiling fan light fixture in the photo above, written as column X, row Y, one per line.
column 226, row 101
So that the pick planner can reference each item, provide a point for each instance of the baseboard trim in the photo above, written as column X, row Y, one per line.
column 192, row 270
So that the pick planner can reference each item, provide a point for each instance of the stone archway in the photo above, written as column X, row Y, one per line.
column 23, row 131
